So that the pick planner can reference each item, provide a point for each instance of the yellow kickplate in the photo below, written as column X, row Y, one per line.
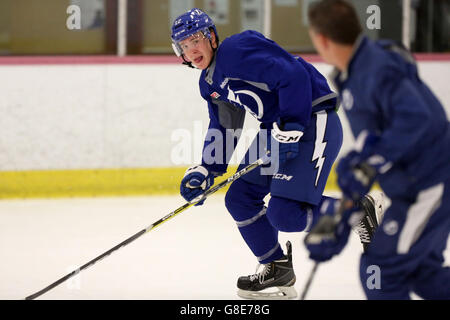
column 101, row 182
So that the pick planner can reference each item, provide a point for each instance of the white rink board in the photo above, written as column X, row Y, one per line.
column 116, row 116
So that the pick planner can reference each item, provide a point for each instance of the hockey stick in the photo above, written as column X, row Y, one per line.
column 310, row 278
column 215, row 188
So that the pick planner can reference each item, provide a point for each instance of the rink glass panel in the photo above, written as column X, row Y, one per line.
column 40, row 27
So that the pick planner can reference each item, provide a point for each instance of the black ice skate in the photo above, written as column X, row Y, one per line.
column 275, row 281
column 373, row 206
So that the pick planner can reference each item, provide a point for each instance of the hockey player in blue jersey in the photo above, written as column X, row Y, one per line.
column 299, row 128
column 403, row 141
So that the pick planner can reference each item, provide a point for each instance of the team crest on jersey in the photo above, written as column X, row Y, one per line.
column 347, row 99
column 233, row 96
column 215, row 95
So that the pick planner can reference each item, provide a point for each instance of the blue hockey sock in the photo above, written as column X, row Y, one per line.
column 245, row 202
column 293, row 216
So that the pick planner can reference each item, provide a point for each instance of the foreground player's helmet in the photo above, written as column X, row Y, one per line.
column 188, row 24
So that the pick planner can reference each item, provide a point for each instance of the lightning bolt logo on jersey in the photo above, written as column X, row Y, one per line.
column 320, row 144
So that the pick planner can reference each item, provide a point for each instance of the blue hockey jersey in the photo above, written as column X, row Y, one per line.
column 381, row 92
column 252, row 73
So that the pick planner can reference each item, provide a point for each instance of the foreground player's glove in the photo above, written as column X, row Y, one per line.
column 287, row 137
column 358, row 170
column 195, row 182
column 330, row 235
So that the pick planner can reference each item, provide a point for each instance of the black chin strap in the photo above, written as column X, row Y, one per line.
column 186, row 63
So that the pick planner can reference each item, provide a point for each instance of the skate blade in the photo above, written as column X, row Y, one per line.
column 283, row 293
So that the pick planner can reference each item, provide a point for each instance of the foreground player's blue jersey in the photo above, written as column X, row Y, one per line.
column 381, row 92
column 251, row 73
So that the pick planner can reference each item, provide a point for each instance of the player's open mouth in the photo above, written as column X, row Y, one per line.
column 198, row 60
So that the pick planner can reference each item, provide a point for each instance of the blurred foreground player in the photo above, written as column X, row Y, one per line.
column 299, row 125
column 403, row 141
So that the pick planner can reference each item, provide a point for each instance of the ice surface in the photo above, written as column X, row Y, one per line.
column 199, row 254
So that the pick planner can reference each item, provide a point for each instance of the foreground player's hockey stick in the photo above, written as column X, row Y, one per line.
column 215, row 188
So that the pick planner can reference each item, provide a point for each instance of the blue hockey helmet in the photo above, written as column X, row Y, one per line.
column 188, row 24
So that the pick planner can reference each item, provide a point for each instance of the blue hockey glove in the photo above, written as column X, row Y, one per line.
column 329, row 236
column 195, row 182
column 287, row 141
column 355, row 178
column 358, row 170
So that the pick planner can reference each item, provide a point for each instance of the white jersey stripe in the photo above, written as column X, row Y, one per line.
column 418, row 215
